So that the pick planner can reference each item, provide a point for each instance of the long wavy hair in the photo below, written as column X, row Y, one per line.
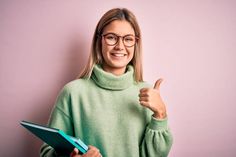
column 95, row 56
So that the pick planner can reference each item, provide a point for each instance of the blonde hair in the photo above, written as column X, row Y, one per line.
column 95, row 56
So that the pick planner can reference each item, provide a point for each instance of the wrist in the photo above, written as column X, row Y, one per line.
column 160, row 115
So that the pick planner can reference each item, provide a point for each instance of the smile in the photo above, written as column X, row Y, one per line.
column 118, row 54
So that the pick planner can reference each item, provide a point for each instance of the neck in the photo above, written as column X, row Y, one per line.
column 110, row 81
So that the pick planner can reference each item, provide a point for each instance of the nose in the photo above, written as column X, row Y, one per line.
column 120, row 45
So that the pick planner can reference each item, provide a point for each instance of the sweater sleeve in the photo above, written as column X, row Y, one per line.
column 59, row 118
column 157, row 140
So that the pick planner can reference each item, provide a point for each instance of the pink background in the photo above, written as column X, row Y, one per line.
column 191, row 44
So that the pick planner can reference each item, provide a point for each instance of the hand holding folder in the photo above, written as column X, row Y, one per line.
column 60, row 141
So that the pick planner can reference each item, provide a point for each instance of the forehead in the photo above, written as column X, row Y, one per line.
column 120, row 27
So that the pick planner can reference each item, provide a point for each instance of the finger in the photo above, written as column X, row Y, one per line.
column 158, row 83
column 99, row 155
column 90, row 151
column 143, row 94
column 74, row 152
column 93, row 151
column 144, row 103
column 143, row 90
column 144, row 99
column 93, row 148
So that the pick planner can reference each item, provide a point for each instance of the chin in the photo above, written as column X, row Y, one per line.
column 119, row 65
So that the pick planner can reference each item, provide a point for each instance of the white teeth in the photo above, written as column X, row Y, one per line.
column 118, row 54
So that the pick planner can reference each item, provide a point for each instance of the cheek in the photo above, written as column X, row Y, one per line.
column 105, row 49
column 130, row 51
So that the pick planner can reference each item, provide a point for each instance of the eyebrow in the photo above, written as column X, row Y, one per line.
column 117, row 34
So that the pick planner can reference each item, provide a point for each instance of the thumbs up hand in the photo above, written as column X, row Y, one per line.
column 150, row 98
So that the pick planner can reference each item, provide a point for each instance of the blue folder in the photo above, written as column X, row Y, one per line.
column 56, row 138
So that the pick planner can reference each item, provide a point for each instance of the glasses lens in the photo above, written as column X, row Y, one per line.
column 129, row 40
column 111, row 39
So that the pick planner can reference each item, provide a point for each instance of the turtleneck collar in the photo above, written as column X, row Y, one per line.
column 110, row 81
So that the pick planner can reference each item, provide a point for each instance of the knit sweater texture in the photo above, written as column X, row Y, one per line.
column 104, row 111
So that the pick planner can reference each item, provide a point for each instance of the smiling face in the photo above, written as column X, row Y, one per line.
column 117, row 57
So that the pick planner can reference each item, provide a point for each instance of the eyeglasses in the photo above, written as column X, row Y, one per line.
column 112, row 39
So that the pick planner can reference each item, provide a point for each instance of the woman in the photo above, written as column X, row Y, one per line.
column 110, row 107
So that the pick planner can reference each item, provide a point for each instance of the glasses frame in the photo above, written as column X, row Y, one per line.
column 122, row 37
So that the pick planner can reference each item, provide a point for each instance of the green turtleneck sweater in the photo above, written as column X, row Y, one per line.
column 104, row 111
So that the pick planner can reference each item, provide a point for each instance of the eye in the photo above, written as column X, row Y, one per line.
column 110, row 37
column 129, row 38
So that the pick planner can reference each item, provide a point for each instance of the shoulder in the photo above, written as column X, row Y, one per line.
column 76, row 83
column 75, row 86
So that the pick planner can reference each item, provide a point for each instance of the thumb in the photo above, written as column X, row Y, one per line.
column 158, row 83
column 74, row 152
